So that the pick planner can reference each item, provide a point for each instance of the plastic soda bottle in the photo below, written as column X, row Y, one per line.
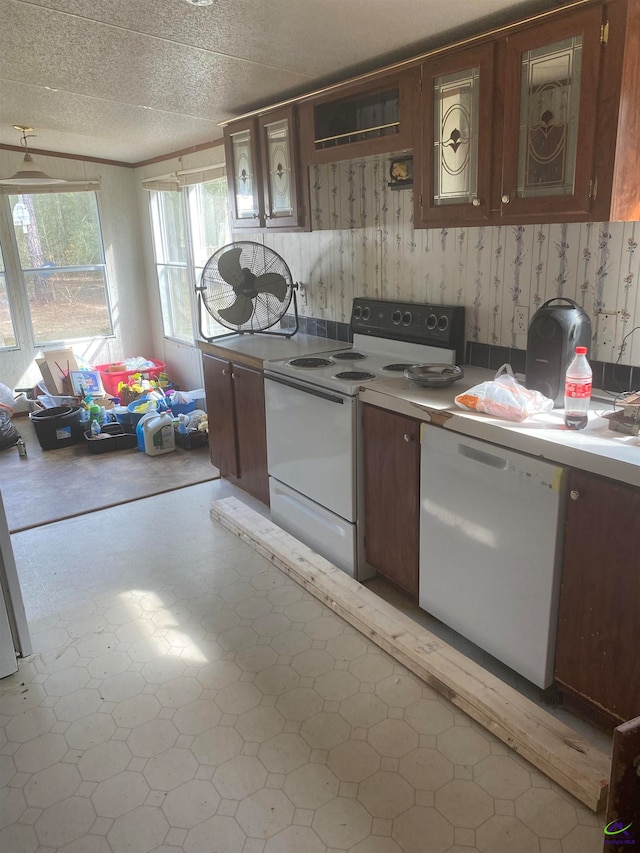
column 577, row 391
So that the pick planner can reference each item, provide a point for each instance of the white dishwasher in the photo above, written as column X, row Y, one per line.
column 490, row 526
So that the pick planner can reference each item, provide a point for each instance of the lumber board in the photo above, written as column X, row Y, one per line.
column 555, row 749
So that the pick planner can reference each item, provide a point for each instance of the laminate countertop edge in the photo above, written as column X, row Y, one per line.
column 595, row 449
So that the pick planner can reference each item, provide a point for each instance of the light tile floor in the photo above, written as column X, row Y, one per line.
column 187, row 696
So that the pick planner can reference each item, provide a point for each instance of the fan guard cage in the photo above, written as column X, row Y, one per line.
column 242, row 284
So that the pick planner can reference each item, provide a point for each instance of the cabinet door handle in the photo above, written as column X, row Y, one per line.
column 476, row 202
column 233, row 376
column 406, row 437
column 506, row 198
column 574, row 494
column 225, row 372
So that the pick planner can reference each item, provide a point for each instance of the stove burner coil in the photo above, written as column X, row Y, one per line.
column 348, row 355
column 396, row 368
column 310, row 362
column 354, row 375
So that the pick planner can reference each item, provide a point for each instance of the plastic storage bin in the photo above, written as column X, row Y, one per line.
column 57, row 427
column 110, row 380
column 134, row 417
column 118, row 438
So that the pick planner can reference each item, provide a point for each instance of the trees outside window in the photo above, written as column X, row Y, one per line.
column 61, row 257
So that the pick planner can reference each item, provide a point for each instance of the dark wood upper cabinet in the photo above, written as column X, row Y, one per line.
column 243, row 176
column 453, row 171
column 355, row 120
column 281, row 177
column 266, row 187
column 550, row 101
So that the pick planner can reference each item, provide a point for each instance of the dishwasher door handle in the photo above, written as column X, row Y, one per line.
column 482, row 457
column 331, row 398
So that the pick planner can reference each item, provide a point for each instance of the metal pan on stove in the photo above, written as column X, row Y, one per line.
column 434, row 375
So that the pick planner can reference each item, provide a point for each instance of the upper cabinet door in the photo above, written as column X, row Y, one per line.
column 550, row 108
column 454, row 166
column 359, row 119
column 280, row 168
column 245, row 187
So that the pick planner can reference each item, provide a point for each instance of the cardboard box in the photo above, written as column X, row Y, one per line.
column 54, row 367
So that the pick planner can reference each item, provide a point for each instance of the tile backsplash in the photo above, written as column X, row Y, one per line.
column 363, row 244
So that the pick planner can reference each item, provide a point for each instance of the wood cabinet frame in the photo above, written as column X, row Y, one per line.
column 407, row 83
column 586, row 22
column 426, row 213
column 237, row 426
column 264, row 217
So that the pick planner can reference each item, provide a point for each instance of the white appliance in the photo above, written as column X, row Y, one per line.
column 14, row 634
column 490, row 523
column 313, row 422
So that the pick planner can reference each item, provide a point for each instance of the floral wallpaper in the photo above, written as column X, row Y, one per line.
column 363, row 244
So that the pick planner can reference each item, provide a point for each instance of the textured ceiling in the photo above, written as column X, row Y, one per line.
column 129, row 80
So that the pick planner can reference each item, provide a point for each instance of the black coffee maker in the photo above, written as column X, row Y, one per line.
column 555, row 330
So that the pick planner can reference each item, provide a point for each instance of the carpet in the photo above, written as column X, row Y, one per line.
column 50, row 485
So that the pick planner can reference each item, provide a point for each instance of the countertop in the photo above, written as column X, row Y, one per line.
column 596, row 448
column 254, row 350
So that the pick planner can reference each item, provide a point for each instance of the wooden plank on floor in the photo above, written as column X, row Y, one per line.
column 552, row 747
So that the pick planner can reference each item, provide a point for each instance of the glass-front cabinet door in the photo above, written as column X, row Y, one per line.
column 550, row 127
column 279, row 168
column 245, row 188
column 455, row 164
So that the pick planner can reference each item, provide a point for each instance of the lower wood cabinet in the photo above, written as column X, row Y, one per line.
column 392, row 495
column 597, row 653
column 237, row 430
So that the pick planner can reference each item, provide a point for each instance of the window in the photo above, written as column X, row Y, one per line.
column 188, row 225
column 62, row 261
column 7, row 331
column 170, row 243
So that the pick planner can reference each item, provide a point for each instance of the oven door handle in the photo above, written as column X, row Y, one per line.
column 332, row 398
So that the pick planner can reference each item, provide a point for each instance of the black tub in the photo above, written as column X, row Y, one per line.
column 57, row 427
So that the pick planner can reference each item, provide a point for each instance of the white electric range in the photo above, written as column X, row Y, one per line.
column 314, row 441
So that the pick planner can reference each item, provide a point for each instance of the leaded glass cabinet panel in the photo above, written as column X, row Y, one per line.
column 456, row 158
column 550, row 98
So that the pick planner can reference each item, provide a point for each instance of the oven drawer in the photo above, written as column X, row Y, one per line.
column 326, row 533
column 311, row 442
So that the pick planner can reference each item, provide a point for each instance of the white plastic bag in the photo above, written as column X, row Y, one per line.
column 7, row 401
column 504, row 397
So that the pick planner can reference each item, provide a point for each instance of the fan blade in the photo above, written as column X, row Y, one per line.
column 238, row 313
column 229, row 268
column 272, row 282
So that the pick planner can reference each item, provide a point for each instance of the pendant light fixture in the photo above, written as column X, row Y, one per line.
column 28, row 173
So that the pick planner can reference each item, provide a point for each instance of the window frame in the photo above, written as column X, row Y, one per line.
column 192, row 225
column 16, row 277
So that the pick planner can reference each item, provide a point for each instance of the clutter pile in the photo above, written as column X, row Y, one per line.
column 118, row 406
column 9, row 435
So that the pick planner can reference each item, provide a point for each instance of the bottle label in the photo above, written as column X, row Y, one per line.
column 579, row 389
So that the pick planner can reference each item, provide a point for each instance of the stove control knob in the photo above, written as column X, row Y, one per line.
column 357, row 312
column 432, row 321
column 407, row 317
column 443, row 322
column 396, row 317
column 366, row 313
